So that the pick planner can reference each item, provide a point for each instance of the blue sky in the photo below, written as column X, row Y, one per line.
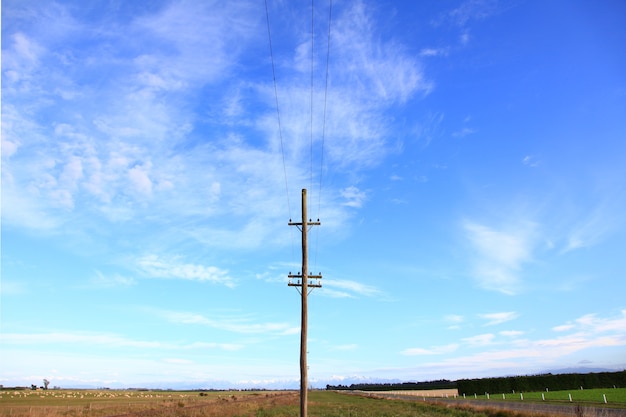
column 467, row 161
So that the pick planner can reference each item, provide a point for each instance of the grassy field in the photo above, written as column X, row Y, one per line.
column 92, row 403
column 98, row 403
column 613, row 396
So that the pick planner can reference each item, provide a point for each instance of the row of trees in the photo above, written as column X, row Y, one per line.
column 440, row 384
column 526, row 383
column 542, row 382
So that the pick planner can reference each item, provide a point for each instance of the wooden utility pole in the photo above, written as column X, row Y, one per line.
column 305, row 281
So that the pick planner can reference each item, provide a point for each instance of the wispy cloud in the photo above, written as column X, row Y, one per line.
column 479, row 340
column 235, row 324
column 464, row 132
column 498, row 318
column 434, row 52
column 470, row 10
column 588, row 333
column 348, row 289
column 593, row 227
column 592, row 323
column 454, row 321
column 531, row 161
column 148, row 151
column 454, row 318
column 108, row 340
column 563, row 327
column 435, row 350
column 353, row 197
column 500, row 255
column 109, row 281
column 159, row 267
column 511, row 333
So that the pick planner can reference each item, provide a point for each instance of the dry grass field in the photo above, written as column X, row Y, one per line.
column 101, row 403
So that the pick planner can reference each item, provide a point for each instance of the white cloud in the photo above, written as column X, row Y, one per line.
column 199, row 41
column 511, row 333
column 454, row 321
column 472, row 10
column 385, row 71
column 464, row 132
column 101, row 339
column 109, row 281
column 479, row 340
column 140, row 180
column 530, row 161
column 158, row 267
column 435, row 350
column 588, row 333
column 563, row 327
column 594, row 227
column 353, row 197
column 229, row 323
column 498, row 318
column 500, row 255
column 434, row 52
column 107, row 340
column 348, row 288
column 454, row 318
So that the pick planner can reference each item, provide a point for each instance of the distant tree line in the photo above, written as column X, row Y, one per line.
column 440, row 384
column 541, row 382
column 525, row 383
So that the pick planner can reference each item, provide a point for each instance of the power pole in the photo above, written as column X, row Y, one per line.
column 305, row 281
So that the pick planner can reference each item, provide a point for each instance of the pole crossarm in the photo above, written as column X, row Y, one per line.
column 311, row 284
column 309, row 223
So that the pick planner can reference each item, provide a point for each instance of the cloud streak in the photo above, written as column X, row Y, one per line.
column 231, row 324
column 587, row 334
column 500, row 255
column 498, row 318
column 156, row 267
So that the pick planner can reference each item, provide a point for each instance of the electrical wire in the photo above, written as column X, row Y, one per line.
column 319, row 194
column 280, row 131
column 311, row 121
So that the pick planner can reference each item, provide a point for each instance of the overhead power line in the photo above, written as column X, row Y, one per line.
column 280, row 131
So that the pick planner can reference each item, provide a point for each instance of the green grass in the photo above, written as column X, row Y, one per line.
column 615, row 396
